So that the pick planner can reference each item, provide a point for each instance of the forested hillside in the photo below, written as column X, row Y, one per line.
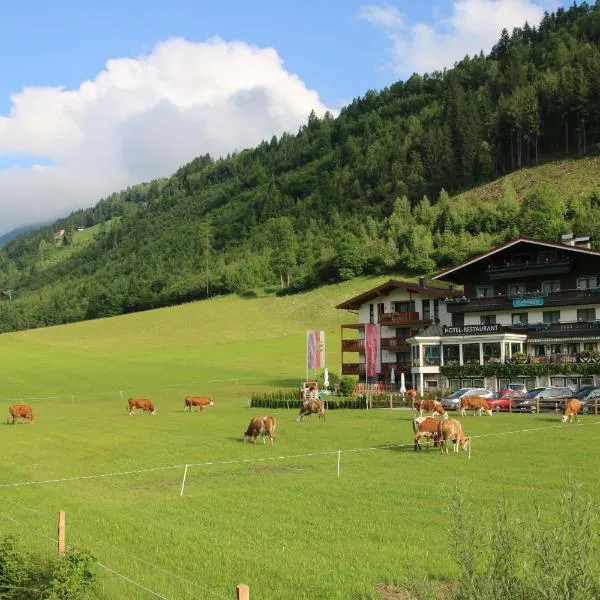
column 377, row 189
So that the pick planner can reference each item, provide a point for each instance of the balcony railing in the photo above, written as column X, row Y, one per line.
column 505, row 302
column 353, row 345
column 399, row 367
column 402, row 318
column 394, row 343
column 530, row 269
column 549, row 359
column 353, row 368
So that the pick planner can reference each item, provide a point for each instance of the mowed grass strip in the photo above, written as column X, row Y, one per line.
column 286, row 526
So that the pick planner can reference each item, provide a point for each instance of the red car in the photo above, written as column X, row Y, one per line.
column 501, row 400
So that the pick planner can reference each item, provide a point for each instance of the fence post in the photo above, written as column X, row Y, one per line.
column 595, row 406
column 391, row 401
column 510, row 401
column 242, row 592
column 61, row 532
column 537, row 406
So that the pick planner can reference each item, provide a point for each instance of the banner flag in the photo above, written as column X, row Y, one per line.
column 372, row 352
column 315, row 349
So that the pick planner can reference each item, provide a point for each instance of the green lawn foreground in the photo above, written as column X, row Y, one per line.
column 288, row 527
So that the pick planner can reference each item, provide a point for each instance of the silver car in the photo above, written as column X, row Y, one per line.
column 452, row 402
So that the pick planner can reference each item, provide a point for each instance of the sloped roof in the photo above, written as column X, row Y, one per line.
column 520, row 240
column 393, row 284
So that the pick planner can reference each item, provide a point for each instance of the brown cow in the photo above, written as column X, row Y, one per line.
column 264, row 426
column 477, row 403
column 451, row 429
column 310, row 407
column 199, row 401
column 426, row 427
column 143, row 403
column 572, row 409
column 20, row 410
column 430, row 405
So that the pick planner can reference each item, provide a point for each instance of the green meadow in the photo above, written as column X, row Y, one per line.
column 278, row 519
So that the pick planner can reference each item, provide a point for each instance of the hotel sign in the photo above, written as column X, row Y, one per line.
column 531, row 301
column 471, row 329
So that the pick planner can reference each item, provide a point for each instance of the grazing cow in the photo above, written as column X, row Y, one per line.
column 20, row 410
column 143, row 403
column 264, row 426
column 477, row 403
column 451, row 429
column 426, row 427
column 430, row 405
column 199, row 401
column 572, row 409
column 310, row 407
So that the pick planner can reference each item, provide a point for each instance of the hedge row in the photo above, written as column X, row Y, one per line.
column 513, row 370
column 333, row 402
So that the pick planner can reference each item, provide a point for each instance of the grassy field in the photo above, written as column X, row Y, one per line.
column 282, row 521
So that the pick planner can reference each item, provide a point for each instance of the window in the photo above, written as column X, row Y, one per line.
column 586, row 314
column 589, row 346
column 515, row 347
column 432, row 356
column 479, row 383
column 585, row 381
column 380, row 310
column 371, row 314
column 408, row 306
column 471, row 354
column 550, row 286
column 551, row 316
column 515, row 289
column 585, row 283
column 436, row 309
column 519, row 318
column 487, row 319
column 451, row 354
column 458, row 319
column 454, row 384
column 482, row 291
column 431, row 383
column 426, row 310
column 491, row 352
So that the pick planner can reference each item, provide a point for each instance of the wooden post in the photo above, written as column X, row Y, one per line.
column 242, row 592
column 510, row 401
column 596, row 406
column 391, row 401
column 61, row 532
column 537, row 405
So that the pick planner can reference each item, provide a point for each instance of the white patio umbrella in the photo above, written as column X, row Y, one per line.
column 326, row 378
column 393, row 376
column 402, row 384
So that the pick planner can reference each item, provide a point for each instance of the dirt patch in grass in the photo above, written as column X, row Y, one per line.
column 438, row 590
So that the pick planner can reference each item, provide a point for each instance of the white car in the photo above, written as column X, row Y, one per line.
column 452, row 402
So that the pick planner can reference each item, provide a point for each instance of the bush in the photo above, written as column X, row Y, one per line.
column 68, row 577
column 347, row 385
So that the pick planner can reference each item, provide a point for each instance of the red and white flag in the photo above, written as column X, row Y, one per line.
column 372, row 350
column 315, row 349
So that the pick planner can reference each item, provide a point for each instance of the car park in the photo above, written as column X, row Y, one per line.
column 548, row 398
column 588, row 396
column 452, row 402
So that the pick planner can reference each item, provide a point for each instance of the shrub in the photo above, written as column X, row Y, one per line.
column 347, row 385
column 15, row 570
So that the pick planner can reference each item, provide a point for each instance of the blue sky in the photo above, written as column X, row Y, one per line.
column 97, row 96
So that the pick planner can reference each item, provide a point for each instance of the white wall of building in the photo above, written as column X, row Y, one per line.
column 567, row 313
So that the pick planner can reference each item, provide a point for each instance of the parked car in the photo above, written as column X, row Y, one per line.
column 500, row 400
column 452, row 402
column 545, row 395
column 514, row 389
column 588, row 396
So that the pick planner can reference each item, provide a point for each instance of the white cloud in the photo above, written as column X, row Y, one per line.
column 142, row 118
column 472, row 26
column 388, row 16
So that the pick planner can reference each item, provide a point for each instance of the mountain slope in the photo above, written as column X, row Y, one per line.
column 364, row 193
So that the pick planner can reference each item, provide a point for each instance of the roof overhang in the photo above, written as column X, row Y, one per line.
column 394, row 284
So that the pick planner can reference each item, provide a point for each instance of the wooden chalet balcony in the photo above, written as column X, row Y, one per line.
column 529, row 269
column 404, row 367
column 397, row 319
column 394, row 343
column 353, row 368
column 353, row 345
column 539, row 300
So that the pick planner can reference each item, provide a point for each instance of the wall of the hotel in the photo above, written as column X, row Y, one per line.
column 567, row 314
